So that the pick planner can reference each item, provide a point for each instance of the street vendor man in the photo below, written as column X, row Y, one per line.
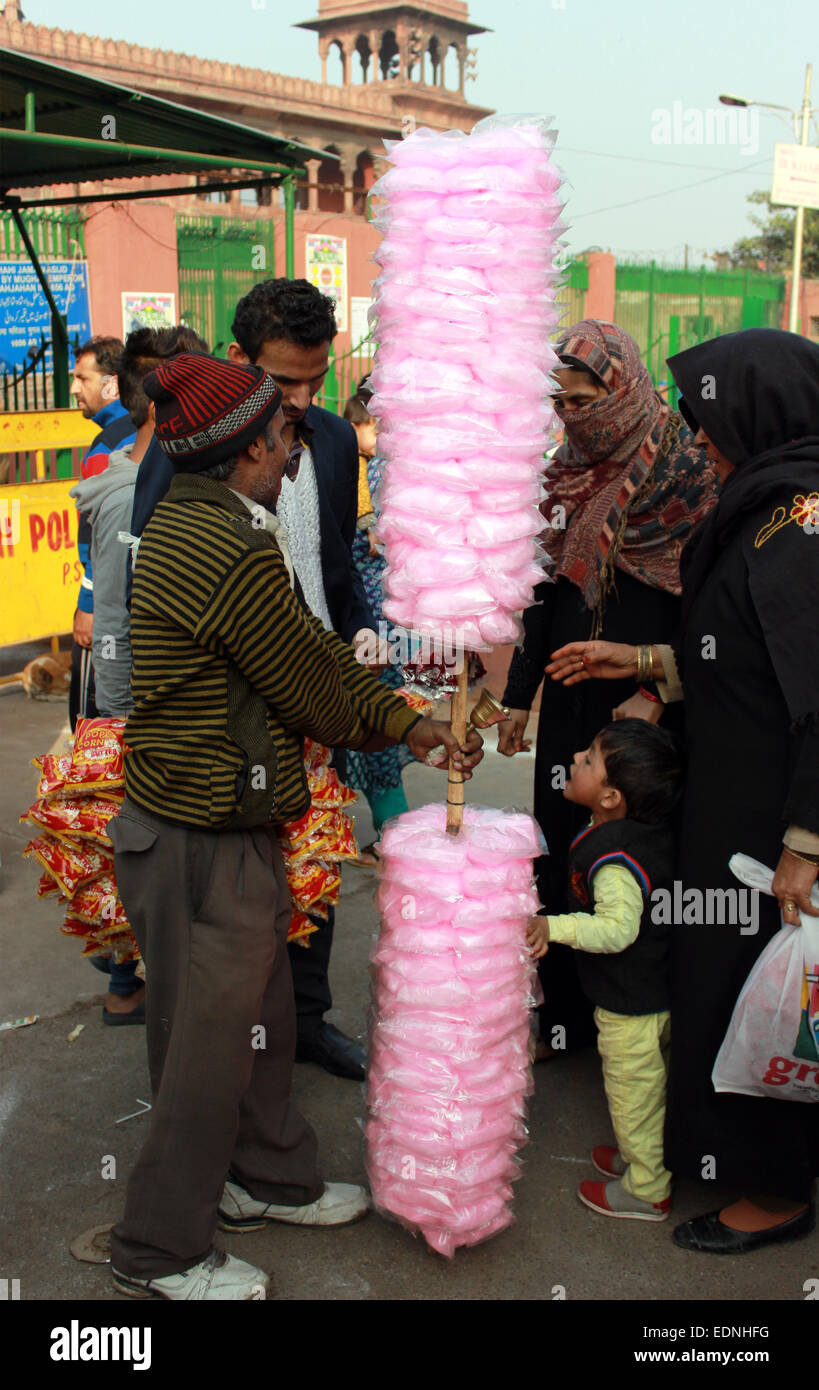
column 230, row 672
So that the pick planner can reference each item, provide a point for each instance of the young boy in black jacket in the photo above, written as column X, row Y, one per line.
column 630, row 779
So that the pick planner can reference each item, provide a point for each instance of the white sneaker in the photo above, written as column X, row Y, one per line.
column 218, row 1276
column 339, row 1204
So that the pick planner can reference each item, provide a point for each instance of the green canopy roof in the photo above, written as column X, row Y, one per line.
column 56, row 127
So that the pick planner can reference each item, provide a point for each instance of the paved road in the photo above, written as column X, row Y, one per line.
column 61, row 1100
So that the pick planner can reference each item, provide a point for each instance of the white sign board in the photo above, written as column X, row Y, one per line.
column 796, row 176
column 359, row 326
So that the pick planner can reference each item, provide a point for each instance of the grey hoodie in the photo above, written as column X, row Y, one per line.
column 106, row 500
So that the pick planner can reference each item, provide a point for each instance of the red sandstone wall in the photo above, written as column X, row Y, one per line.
column 362, row 240
column 130, row 246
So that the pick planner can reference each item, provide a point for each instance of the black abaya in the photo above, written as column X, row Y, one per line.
column 742, row 756
column 750, row 672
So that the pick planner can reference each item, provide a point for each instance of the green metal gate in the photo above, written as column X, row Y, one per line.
column 220, row 259
column 668, row 308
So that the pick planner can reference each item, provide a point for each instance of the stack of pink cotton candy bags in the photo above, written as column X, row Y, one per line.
column 452, row 988
column 464, row 310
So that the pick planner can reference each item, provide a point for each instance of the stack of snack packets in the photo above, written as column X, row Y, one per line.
column 77, row 795
column 314, row 845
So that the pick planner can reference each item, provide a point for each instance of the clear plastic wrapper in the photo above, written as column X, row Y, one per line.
column 452, row 988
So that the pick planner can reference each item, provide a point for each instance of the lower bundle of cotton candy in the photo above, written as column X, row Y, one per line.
column 464, row 310
column 449, row 1032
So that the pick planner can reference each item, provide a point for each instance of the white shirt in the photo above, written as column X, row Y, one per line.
column 298, row 511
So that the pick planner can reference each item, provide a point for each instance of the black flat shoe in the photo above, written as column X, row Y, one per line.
column 338, row 1054
column 136, row 1015
column 710, row 1236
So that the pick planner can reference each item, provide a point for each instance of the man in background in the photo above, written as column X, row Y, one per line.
column 286, row 327
column 94, row 385
column 105, row 501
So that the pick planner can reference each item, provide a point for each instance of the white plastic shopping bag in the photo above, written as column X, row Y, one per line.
column 772, row 1044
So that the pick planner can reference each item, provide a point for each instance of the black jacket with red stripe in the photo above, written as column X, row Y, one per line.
column 633, row 981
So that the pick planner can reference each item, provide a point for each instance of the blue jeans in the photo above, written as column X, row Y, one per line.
column 123, row 979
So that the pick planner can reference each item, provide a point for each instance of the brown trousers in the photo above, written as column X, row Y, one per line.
column 210, row 912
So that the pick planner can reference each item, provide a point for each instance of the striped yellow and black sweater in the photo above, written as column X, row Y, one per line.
column 230, row 671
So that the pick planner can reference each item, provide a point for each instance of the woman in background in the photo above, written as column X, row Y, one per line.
column 749, row 664
column 624, row 492
column 377, row 775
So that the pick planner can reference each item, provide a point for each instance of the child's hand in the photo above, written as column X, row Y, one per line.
column 537, row 936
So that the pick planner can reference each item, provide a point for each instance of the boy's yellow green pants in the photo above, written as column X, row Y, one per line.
column 634, row 1050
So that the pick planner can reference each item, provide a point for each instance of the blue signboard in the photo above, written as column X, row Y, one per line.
column 24, row 311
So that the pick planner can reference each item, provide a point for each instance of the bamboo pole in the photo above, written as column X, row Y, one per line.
column 457, row 723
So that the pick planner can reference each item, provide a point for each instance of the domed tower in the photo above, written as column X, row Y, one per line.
column 418, row 52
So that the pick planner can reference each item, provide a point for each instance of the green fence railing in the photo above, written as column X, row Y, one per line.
column 346, row 373
column 220, row 259
column 668, row 308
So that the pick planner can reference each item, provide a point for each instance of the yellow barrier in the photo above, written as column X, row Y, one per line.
column 40, row 569
column 38, row 430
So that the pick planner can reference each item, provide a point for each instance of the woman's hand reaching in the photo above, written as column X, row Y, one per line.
column 580, row 661
column 511, row 731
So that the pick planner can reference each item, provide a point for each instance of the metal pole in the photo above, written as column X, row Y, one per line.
column 799, row 224
column 57, row 326
column 59, row 341
column 30, row 112
column 650, row 327
column 289, row 228
column 701, row 306
column 127, row 151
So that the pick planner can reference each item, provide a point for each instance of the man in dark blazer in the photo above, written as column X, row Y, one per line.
column 287, row 326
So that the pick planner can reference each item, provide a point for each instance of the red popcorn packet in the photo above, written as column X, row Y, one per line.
column 308, row 883
column 325, row 787
column 420, row 703
column 98, row 757
column 300, row 928
column 98, row 903
column 74, row 817
column 122, row 948
column 53, row 774
column 70, row 865
column 342, row 838
column 47, row 886
column 333, row 889
column 316, row 755
column 296, row 831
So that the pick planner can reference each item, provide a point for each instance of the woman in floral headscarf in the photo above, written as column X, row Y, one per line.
column 624, row 492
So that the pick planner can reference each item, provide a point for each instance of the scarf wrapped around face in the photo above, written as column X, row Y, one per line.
column 627, row 486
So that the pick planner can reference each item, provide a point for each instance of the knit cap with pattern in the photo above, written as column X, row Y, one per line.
column 208, row 410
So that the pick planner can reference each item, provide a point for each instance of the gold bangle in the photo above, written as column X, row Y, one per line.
column 806, row 858
column 643, row 663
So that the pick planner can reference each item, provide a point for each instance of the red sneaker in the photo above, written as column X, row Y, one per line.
column 611, row 1199
column 606, row 1159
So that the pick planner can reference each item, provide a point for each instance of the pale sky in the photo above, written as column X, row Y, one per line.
column 632, row 87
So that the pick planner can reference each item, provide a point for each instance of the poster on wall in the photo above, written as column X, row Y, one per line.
column 359, row 326
column 25, row 318
column 326, row 268
column 141, row 309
